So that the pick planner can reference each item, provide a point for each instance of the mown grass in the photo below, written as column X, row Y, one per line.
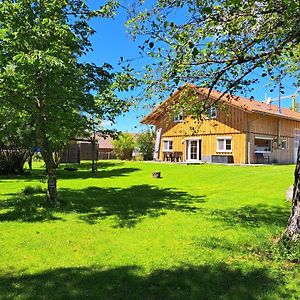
column 200, row 232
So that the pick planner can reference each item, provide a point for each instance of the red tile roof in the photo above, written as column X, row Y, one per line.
column 252, row 106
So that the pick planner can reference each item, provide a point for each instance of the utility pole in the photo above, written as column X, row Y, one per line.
column 279, row 94
column 293, row 97
column 294, row 102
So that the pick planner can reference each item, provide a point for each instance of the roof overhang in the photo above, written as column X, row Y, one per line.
column 232, row 100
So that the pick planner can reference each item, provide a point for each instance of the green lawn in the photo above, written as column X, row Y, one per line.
column 200, row 232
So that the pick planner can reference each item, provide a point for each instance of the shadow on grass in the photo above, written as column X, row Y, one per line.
column 205, row 282
column 213, row 243
column 101, row 173
column 87, row 165
column 126, row 206
column 84, row 171
column 26, row 208
column 253, row 216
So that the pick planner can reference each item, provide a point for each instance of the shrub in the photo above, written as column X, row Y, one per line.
column 123, row 146
column 145, row 143
column 12, row 161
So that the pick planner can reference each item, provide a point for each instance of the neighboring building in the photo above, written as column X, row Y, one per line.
column 243, row 131
column 106, row 150
column 81, row 149
column 78, row 150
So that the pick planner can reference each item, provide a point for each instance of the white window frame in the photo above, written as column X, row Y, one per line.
column 224, row 138
column 188, row 148
column 167, row 140
column 264, row 138
column 178, row 118
column 209, row 114
column 284, row 141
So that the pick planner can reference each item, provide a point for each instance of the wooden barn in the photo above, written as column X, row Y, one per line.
column 237, row 130
column 79, row 149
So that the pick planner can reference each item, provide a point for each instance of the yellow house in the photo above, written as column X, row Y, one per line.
column 243, row 131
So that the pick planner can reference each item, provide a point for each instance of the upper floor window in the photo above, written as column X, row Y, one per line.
column 224, row 144
column 167, row 145
column 211, row 112
column 178, row 117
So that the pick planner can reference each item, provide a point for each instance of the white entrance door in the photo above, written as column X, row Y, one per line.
column 193, row 150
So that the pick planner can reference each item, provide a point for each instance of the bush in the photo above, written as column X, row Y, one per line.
column 12, row 161
column 123, row 146
column 145, row 143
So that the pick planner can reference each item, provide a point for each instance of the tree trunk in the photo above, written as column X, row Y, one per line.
column 93, row 155
column 51, row 174
column 52, row 187
column 292, row 231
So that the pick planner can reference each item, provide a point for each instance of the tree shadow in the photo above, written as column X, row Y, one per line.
column 253, row 216
column 127, row 206
column 26, row 208
column 213, row 243
column 218, row 281
column 83, row 172
column 87, row 165
column 32, row 176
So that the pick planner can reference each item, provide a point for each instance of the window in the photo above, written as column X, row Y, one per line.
column 211, row 112
column 224, row 144
column 283, row 145
column 178, row 117
column 263, row 145
column 168, row 145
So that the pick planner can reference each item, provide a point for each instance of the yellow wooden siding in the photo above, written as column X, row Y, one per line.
column 209, row 146
column 233, row 122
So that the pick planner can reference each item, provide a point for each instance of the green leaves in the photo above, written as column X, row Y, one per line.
column 42, row 76
column 206, row 10
column 217, row 44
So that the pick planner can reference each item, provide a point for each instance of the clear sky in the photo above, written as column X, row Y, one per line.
column 111, row 41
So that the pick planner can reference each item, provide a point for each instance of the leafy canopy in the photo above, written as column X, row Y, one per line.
column 42, row 76
column 217, row 44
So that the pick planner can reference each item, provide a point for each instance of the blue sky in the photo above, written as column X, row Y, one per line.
column 111, row 41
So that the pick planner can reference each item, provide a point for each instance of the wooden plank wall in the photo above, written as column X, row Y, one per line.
column 269, row 126
column 209, row 145
column 232, row 122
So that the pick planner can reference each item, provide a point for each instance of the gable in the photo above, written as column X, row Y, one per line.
column 241, row 103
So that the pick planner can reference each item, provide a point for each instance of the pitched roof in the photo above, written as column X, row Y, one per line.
column 249, row 105
column 105, row 143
